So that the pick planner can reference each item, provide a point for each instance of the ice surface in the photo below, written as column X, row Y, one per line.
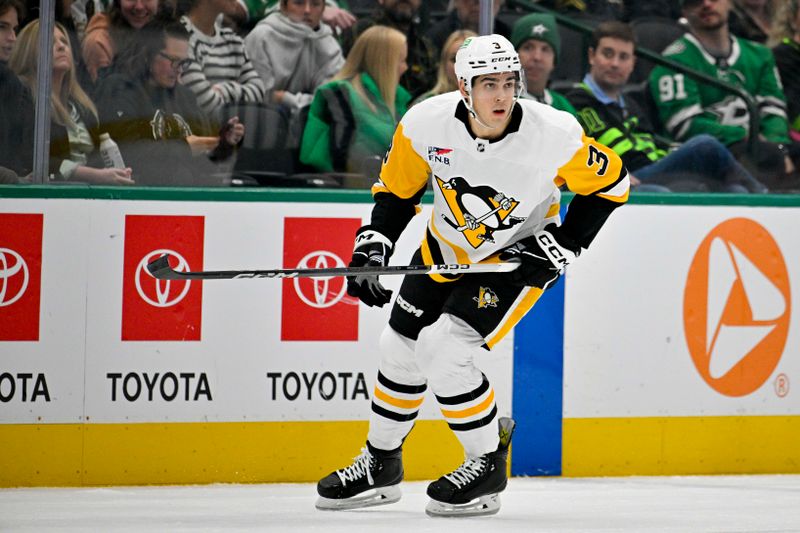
column 633, row 504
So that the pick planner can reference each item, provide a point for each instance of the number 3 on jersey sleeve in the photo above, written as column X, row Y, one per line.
column 596, row 157
column 595, row 169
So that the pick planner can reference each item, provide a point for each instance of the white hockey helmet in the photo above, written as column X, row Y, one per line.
column 486, row 54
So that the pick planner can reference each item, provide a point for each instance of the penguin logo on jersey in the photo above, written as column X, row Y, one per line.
column 486, row 298
column 478, row 211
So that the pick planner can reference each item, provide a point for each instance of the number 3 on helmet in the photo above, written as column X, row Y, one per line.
column 487, row 54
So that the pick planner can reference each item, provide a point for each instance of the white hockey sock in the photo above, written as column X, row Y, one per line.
column 445, row 353
column 399, row 392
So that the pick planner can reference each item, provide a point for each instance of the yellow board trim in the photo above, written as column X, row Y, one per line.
column 470, row 411
column 397, row 402
column 681, row 445
column 71, row 455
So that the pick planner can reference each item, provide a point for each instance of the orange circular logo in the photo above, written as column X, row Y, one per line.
column 736, row 307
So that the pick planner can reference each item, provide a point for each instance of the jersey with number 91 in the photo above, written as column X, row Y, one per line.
column 688, row 107
column 488, row 195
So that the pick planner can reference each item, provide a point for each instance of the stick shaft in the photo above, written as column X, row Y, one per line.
column 160, row 269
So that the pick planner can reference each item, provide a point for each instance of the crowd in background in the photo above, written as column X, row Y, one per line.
column 215, row 92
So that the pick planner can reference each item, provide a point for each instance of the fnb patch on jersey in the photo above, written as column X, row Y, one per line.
column 438, row 155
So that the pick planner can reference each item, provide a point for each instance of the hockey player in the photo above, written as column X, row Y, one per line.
column 495, row 164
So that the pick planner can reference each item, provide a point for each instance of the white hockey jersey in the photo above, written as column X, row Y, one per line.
column 490, row 194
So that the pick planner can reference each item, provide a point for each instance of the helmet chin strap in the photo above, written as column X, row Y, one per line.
column 468, row 102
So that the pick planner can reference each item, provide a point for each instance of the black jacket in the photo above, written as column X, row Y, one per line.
column 150, row 125
column 16, row 123
column 625, row 130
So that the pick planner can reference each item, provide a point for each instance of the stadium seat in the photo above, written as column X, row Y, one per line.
column 655, row 34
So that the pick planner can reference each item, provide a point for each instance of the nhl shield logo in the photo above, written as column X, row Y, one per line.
column 486, row 298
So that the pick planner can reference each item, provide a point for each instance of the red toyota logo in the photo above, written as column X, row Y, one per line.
column 159, row 292
column 14, row 276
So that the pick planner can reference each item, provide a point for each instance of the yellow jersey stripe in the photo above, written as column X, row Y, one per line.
column 514, row 316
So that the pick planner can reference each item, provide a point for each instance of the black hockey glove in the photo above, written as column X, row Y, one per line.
column 372, row 248
column 543, row 257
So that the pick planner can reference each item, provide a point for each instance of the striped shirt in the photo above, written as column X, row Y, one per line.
column 220, row 72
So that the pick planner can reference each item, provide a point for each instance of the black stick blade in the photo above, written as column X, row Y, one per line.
column 160, row 268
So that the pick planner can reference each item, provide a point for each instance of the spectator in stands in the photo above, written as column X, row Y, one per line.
column 352, row 119
column 751, row 19
column 464, row 16
column 702, row 163
column 220, row 73
column 16, row 104
column 74, row 128
column 446, row 80
column 785, row 38
column 109, row 33
column 294, row 52
column 538, row 43
column 403, row 15
column 160, row 129
column 688, row 108
column 335, row 14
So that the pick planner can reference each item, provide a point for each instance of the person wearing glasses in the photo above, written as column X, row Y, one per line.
column 160, row 129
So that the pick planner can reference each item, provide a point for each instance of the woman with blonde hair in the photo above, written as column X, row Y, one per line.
column 446, row 80
column 74, row 129
column 352, row 118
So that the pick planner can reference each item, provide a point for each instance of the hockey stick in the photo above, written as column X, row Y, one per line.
column 160, row 269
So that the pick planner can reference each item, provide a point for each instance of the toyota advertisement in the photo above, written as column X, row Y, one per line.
column 88, row 335
column 675, row 312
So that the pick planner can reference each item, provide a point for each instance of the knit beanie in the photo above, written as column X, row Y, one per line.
column 540, row 26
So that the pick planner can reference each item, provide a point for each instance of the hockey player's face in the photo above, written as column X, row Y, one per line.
column 9, row 22
column 707, row 14
column 493, row 98
column 308, row 12
column 611, row 63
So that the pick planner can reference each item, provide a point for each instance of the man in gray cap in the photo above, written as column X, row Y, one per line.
column 538, row 44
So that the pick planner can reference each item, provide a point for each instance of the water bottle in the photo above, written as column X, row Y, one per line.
column 112, row 158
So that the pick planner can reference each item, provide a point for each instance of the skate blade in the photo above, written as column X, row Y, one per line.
column 485, row 505
column 370, row 498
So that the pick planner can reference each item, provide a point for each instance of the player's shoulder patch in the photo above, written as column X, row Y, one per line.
column 678, row 47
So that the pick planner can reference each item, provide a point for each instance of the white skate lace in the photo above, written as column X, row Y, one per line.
column 467, row 472
column 358, row 469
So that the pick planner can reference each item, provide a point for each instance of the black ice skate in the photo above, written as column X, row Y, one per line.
column 473, row 488
column 373, row 479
